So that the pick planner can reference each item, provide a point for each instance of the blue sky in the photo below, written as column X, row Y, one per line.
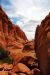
column 26, row 13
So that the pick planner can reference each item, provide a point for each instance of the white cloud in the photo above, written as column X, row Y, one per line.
column 29, row 28
column 28, row 11
column 30, row 35
column 31, row 9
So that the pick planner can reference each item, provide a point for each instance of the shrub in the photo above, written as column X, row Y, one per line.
column 4, row 56
column 3, row 53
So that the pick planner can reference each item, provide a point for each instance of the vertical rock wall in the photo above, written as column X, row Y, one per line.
column 42, row 45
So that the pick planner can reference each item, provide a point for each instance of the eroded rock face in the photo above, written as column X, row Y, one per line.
column 29, row 46
column 42, row 45
column 14, row 40
column 2, row 37
column 11, row 36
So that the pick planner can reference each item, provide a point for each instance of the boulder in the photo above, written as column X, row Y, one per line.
column 36, row 71
column 1, row 67
column 20, row 67
column 7, row 67
column 3, row 72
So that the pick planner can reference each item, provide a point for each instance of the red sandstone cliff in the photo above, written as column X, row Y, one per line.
column 21, row 50
column 11, row 36
column 42, row 45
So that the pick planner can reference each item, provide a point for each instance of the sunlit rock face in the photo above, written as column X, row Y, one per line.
column 20, row 49
column 42, row 45
column 11, row 36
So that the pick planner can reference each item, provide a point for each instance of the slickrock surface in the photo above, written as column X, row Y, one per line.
column 20, row 49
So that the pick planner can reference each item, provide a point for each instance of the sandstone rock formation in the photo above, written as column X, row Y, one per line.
column 13, row 39
column 42, row 45
column 29, row 45
column 21, row 68
column 11, row 36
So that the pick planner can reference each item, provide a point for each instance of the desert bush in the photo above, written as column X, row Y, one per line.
column 4, row 56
